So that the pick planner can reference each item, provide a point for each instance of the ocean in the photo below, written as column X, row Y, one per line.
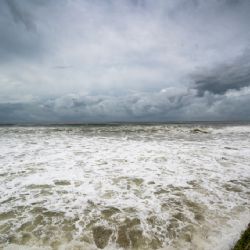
column 124, row 186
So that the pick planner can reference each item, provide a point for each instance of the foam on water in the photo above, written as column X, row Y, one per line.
column 132, row 187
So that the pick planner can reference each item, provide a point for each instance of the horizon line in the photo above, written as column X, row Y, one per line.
column 121, row 123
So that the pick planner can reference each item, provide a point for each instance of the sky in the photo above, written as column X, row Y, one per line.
column 72, row 61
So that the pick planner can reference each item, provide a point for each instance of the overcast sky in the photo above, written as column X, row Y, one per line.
column 124, row 60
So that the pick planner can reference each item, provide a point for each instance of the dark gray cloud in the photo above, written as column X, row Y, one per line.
column 22, row 30
column 167, row 105
column 20, row 15
column 19, row 37
column 229, row 76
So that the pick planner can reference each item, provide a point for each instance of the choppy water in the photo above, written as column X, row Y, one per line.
column 132, row 187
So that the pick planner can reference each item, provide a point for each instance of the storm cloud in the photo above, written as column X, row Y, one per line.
column 126, row 60
column 229, row 76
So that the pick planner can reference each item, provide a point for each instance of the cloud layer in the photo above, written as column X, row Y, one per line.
column 124, row 60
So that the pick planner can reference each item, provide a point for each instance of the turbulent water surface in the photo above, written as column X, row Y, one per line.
column 124, row 187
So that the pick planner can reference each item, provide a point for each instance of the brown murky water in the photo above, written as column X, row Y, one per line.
column 124, row 187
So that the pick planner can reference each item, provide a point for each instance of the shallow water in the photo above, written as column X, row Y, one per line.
column 128, row 186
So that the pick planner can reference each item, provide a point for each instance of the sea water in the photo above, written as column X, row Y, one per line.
column 124, row 186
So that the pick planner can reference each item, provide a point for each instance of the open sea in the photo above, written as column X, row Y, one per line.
column 124, row 186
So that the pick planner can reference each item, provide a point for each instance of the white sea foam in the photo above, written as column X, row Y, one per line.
column 141, row 187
